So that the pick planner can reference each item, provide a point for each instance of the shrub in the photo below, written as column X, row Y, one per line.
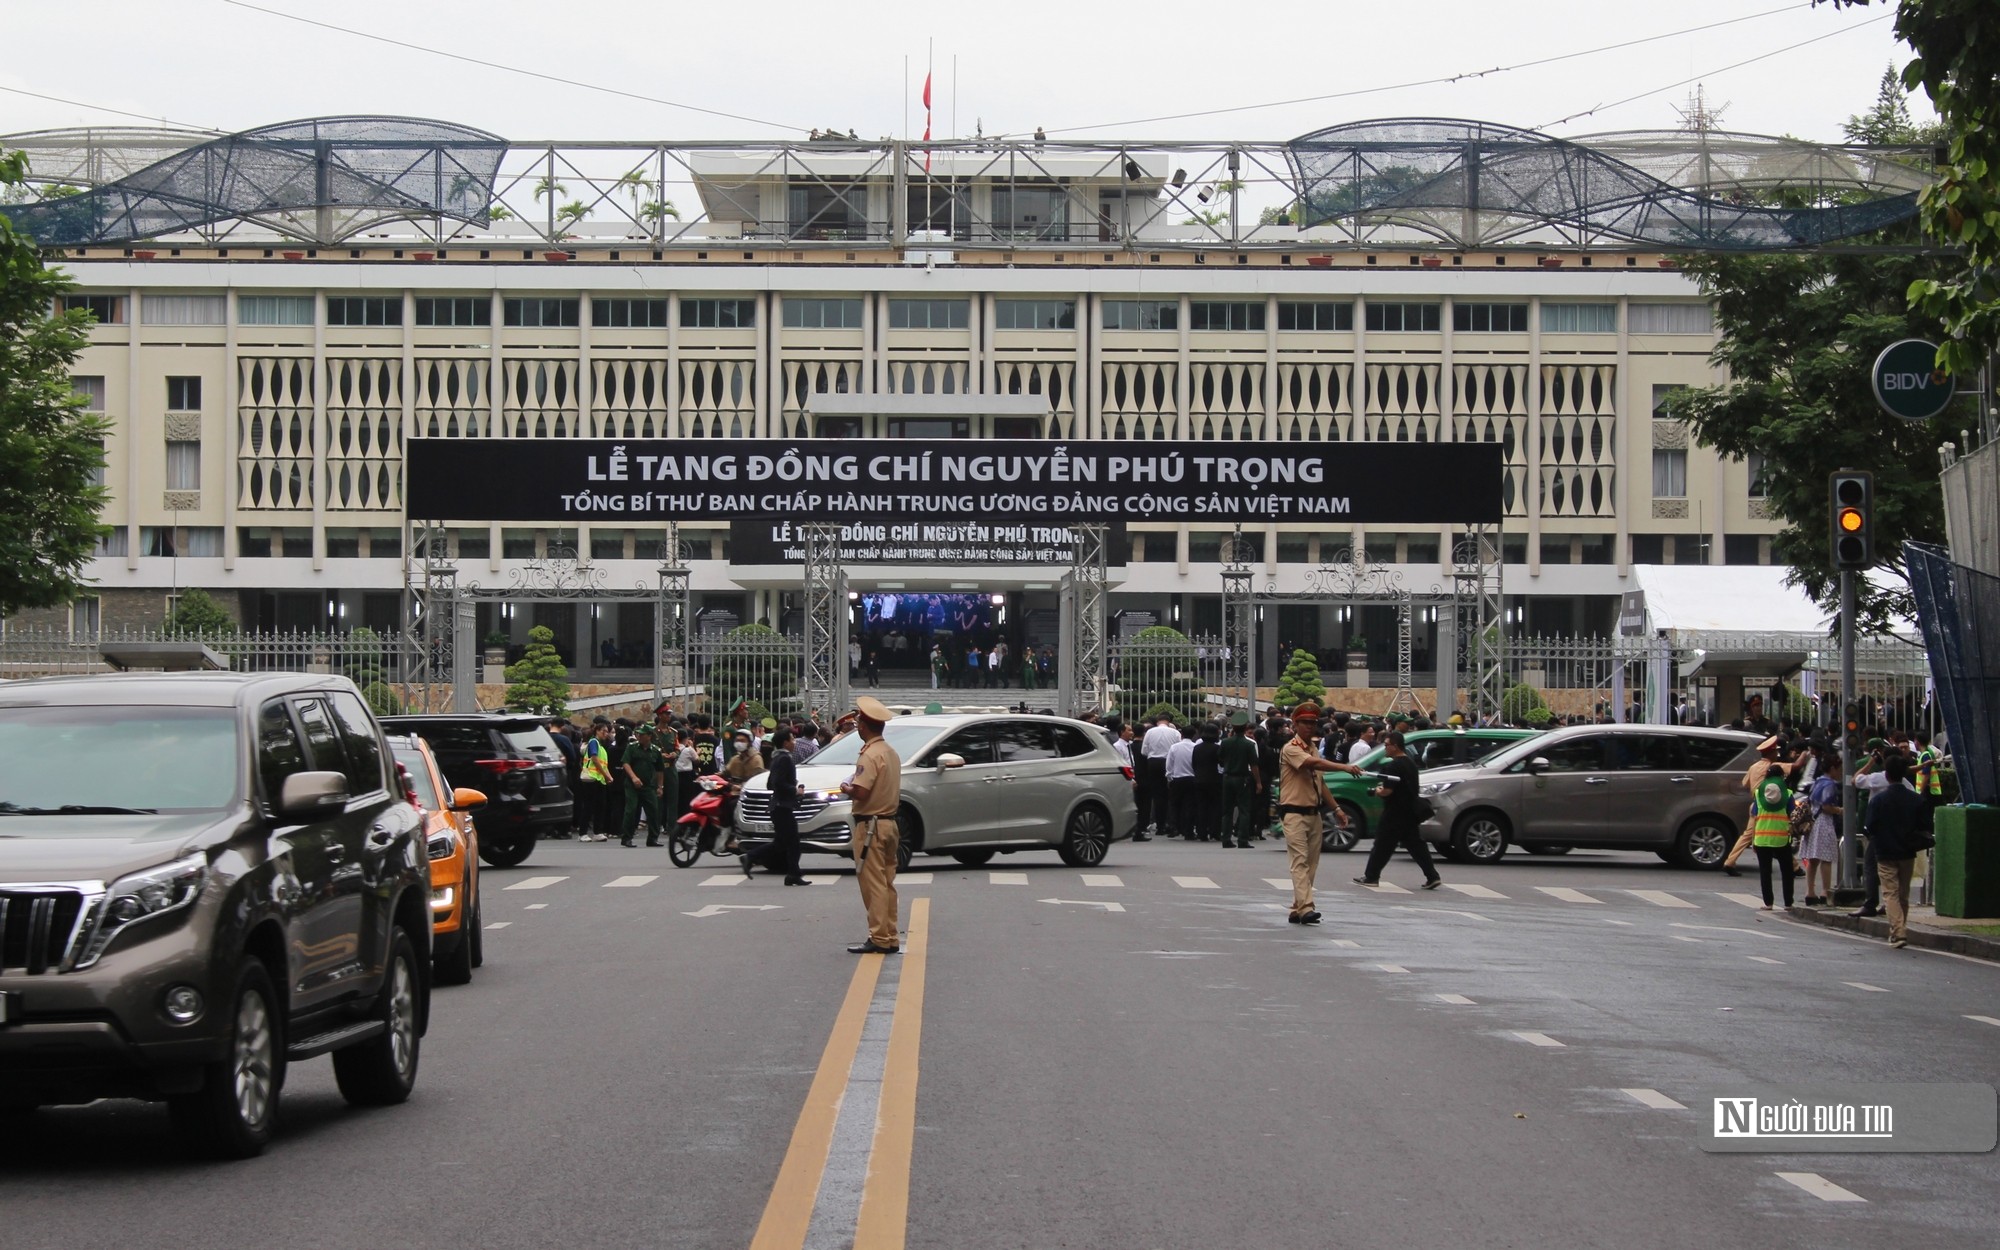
column 383, row 699
column 1159, row 667
column 1519, row 704
column 1301, row 681
column 539, row 682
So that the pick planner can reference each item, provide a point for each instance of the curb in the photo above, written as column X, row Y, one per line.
column 1970, row 945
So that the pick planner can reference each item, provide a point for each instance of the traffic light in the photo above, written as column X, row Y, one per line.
column 1857, row 739
column 1853, row 519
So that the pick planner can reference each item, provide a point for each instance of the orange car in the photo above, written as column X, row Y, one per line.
column 453, row 842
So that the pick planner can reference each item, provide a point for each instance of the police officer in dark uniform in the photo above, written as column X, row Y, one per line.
column 1242, row 783
column 643, row 770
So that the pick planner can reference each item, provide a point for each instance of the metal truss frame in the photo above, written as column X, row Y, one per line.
column 1083, row 676
column 1476, row 571
column 826, row 620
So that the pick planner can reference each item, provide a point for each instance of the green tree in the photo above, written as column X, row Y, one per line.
column 539, row 682
column 1957, row 45
column 51, row 450
column 198, row 615
column 1520, row 705
column 364, row 669
column 1300, row 682
column 1276, row 215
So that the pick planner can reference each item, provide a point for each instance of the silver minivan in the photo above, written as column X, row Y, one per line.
column 1663, row 788
column 973, row 786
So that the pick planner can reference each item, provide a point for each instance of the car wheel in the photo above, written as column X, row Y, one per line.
column 1667, row 857
column 909, row 837
column 476, row 935
column 1479, row 838
column 382, row 1071
column 1087, row 839
column 231, row 1116
column 972, row 859
column 1546, row 848
column 1335, row 838
column 1704, row 842
column 507, row 854
column 684, row 845
column 451, row 961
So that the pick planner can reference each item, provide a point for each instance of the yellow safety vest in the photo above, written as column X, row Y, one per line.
column 1928, row 780
column 596, row 766
column 1772, row 826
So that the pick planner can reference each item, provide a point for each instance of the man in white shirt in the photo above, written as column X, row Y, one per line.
column 1153, row 750
column 1180, row 787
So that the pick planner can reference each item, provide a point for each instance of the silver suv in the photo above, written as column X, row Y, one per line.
column 1675, row 791
column 973, row 786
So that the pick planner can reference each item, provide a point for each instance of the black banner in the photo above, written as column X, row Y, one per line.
column 924, row 542
column 890, row 481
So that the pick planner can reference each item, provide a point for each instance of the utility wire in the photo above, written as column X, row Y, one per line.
column 101, row 108
column 511, row 69
column 1432, row 82
column 1601, row 108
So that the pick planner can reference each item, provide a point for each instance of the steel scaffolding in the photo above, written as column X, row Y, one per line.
column 826, row 621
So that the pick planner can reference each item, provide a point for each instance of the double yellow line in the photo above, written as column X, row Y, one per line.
column 885, row 1195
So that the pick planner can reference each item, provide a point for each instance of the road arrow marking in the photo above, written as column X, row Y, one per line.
column 716, row 909
column 1084, row 902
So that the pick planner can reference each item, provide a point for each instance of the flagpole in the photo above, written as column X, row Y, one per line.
column 953, row 215
column 930, row 59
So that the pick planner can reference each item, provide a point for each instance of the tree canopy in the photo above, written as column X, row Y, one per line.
column 51, row 449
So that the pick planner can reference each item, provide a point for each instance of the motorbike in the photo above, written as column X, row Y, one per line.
column 704, row 825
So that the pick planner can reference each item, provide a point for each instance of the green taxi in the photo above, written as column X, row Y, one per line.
column 1430, row 748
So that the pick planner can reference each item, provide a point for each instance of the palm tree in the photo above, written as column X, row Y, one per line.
column 550, row 187
column 499, row 212
column 654, row 210
column 632, row 182
column 568, row 215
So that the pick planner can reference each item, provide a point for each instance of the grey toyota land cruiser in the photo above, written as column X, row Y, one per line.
column 203, row 878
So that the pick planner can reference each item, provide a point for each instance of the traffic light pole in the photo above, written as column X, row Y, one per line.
column 1850, row 814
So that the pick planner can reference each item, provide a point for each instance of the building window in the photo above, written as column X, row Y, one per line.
column 1513, row 548
column 201, row 541
column 540, row 313
column 1556, row 549
column 1690, row 548
column 1670, row 474
column 1420, row 548
column 629, row 314
column 183, row 310
column 1030, row 212
column 115, row 541
column 1142, row 314
column 91, row 389
column 385, row 544
column 1204, row 315
column 1742, row 549
column 1596, row 549
column 183, row 394
column 718, row 314
column 475, row 544
column 1322, row 317
column 295, row 543
column 106, row 310
column 1662, row 394
column 157, row 540
column 1485, row 318
column 607, row 544
column 1399, row 318
column 517, row 544
column 454, row 312
column 929, row 314
column 86, row 615
column 1579, row 318
column 183, row 464
column 823, row 314
column 1671, row 319
column 1034, row 314
column 828, row 212
column 276, row 310
column 365, row 310
column 1760, row 475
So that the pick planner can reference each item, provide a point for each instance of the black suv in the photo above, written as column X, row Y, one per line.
column 204, row 877
column 513, row 761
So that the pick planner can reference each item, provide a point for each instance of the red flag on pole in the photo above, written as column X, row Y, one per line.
column 927, row 120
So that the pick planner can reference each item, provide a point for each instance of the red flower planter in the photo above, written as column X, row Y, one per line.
column 1320, row 262
column 144, row 255
column 557, row 256
column 293, row 255
column 423, row 255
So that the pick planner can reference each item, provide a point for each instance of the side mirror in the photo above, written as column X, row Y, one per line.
column 948, row 760
column 1538, row 765
column 306, row 795
column 465, row 799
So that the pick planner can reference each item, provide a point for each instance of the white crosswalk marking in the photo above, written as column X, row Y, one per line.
column 823, row 879
column 1538, row 1039
column 1653, row 1098
column 630, row 882
column 1765, row 959
column 1456, row 1000
column 1863, row 985
column 1196, row 883
column 1473, row 891
column 1820, row 1187
column 1101, row 880
column 1352, row 945
column 914, row 878
column 1386, row 887
column 1566, row 894
column 499, row 924
column 1660, row 898
column 1747, row 900
column 536, row 907
column 1006, row 878
column 1682, row 937
column 1278, row 883
column 1993, row 1020
column 726, row 878
column 1399, row 969
column 535, row 883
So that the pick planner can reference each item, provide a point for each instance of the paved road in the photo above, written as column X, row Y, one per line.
column 1155, row 1060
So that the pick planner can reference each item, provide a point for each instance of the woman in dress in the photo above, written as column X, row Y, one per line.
column 1822, row 843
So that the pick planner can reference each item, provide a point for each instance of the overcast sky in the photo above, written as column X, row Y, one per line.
column 1095, row 69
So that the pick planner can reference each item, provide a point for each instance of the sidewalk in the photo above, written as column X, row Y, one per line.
column 1979, row 939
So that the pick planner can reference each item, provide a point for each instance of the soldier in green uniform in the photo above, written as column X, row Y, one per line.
column 1242, row 783
column 643, row 771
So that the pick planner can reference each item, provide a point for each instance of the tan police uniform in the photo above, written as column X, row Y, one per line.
column 1299, row 792
column 875, row 834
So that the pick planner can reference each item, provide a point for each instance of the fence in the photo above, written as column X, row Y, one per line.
column 765, row 667
column 1183, row 673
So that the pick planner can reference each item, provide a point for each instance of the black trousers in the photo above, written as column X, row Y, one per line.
column 781, row 854
column 1781, row 856
column 593, row 802
column 1153, row 806
column 1180, row 801
column 1391, row 835
column 1208, row 811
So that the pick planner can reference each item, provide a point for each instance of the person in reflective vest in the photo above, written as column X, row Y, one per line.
column 1930, row 777
column 1771, row 830
column 593, row 787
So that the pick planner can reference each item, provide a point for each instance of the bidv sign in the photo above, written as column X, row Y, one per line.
column 1908, row 383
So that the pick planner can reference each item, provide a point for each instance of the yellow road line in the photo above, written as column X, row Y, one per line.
column 788, row 1212
column 885, row 1197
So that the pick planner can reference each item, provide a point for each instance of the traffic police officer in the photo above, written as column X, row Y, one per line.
column 1242, row 783
column 643, row 768
column 1299, row 793
column 876, row 791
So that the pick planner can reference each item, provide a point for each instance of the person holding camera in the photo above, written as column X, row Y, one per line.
column 1399, row 825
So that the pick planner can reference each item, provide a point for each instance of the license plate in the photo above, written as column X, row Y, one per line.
column 756, row 826
column 552, row 776
column 10, row 1006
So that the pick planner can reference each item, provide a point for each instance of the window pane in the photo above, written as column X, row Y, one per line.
column 1580, row 318
column 1019, row 741
column 1034, row 314
column 454, row 312
column 1661, row 394
column 274, row 310
column 974, row 743
column 364, row 311
column 201, row 540
column 1671, row 319
column 279, row 754
column 183, row 310
column 1669, row 474
column 364, row 748
column 1580, row 755
column 1141, row 315
column 92, row 390
column 184, row 394
column 183, row 464
column 1320, row 317
column 322, row 738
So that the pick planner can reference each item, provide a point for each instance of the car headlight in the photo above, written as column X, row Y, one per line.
column 143, row 895
column 1434, row 789
column 828, row 796
column 442, row 845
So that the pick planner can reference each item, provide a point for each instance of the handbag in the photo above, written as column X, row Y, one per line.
column 1421, row 809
